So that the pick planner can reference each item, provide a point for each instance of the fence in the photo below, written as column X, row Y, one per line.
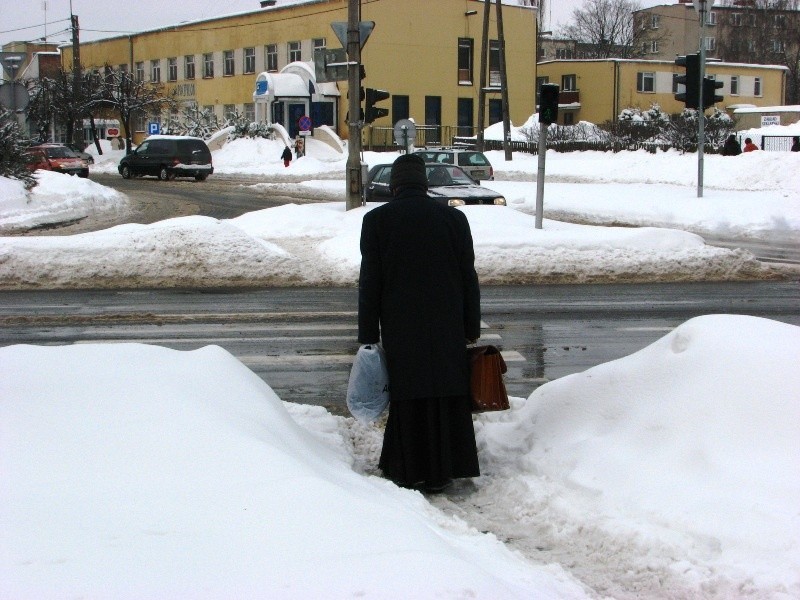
column 382, row 138
column 770, row 143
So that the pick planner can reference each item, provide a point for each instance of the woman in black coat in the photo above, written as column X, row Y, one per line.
column 419, row 295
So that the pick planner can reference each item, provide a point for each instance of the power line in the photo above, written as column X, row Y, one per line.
column 32, row 26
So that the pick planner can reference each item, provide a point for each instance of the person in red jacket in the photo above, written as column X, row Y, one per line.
column 749, row 146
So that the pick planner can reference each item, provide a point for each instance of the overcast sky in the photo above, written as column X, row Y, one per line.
column 25, row 19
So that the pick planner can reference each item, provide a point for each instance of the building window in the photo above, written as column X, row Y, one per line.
column 155, row 71
column 294, row 51
column 654, row 47
column 655, row 21
column 229, row 111
column 711, row 44
column 780, row 21
column 736, row 19
column 711, row 18
column 569, row 83
column 140, row 121
column 271, row 57
column 319, row 43
column 494, row 63
column 188, row 66
column 734, row 85
column 465, row 57
column 249, row 60
column 228, row 67
column 569, row 118
column 646, row 82
column 140, row 72
column 778, row 46
column 172, row 69
column 208, row 65
column 250, row 112
column 757, row 86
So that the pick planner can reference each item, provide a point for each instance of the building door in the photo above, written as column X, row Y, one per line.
column 433, row 116
column 465, row 112
column 399, row 108
column 296, row 110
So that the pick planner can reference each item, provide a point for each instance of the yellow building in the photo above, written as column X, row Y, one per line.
column 426, row 54
column 598, row 90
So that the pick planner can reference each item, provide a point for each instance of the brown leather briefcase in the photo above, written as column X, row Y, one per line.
column 486, row 379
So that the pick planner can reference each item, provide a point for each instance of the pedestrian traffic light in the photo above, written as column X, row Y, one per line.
column 371, row 112
column 548, row 103
column 691, row 80
column 710, row 87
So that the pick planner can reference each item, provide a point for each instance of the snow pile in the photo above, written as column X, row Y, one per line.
column 173, row 474
column 56, row 199
column 135, row 471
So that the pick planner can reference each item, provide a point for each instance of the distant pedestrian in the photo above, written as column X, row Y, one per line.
column 749, row 146
column 796, row 144
column 286, row 156
column 731, row 147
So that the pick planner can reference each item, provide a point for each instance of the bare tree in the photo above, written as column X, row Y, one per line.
column 762, row 32
column 128, row 97
column 605, row 29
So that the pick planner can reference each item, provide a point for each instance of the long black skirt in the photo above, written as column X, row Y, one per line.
column 429, row 441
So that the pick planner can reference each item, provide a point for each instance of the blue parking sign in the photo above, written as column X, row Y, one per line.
column 153, row 128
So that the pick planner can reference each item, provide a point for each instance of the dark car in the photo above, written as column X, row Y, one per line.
column 474, row 163
column 446, row 183
column 168, row 157
column 56, row 157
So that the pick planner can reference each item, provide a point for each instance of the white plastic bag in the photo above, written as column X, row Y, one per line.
column 368, row 388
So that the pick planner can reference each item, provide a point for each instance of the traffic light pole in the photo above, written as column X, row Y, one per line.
column 354, row 183
column 701, row 113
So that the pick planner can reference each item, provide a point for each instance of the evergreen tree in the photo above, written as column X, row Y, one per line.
column 12, row 148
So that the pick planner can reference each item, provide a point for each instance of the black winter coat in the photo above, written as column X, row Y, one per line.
column 419, row 294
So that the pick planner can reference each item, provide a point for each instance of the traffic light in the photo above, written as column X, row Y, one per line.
column 710, row 87
column 371, row 112
column 691, row 80
column 548, row 103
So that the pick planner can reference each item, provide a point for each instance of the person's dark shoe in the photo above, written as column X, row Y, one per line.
column 436, row 487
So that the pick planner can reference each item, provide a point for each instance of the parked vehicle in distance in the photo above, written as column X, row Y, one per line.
column 447, row 184
column 168, row 157
column 474, row 163
column 56, row 157
column 81, row 153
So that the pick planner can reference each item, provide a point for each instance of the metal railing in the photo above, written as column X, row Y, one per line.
column 381, row 138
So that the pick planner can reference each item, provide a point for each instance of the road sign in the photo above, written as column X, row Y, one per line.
column 405, row 132
column 768, row 120
column 112, row 132
column 364, row 29
column 304, row 123
column 330, row 64
column 14, row 96
column 153, row 128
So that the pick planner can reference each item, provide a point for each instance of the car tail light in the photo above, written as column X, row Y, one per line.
column 491, row 172
column 175, row 161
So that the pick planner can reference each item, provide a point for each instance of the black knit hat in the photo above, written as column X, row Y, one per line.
column 408, row 171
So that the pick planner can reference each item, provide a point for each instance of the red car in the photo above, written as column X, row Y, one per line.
column 58, row 158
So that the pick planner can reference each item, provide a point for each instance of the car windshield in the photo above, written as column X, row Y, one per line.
column 59, row 152
column 447, row 175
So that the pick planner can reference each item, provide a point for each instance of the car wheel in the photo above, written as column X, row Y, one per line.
column 126, row 172
column 165, row 175
column 201, row 176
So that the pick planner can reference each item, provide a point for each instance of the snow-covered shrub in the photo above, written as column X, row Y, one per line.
column 12, row 147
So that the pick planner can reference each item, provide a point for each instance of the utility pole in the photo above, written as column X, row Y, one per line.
column 77, row 126
column 354, row 182
column 701, row 113
column 503, row 82
column 482, row 90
